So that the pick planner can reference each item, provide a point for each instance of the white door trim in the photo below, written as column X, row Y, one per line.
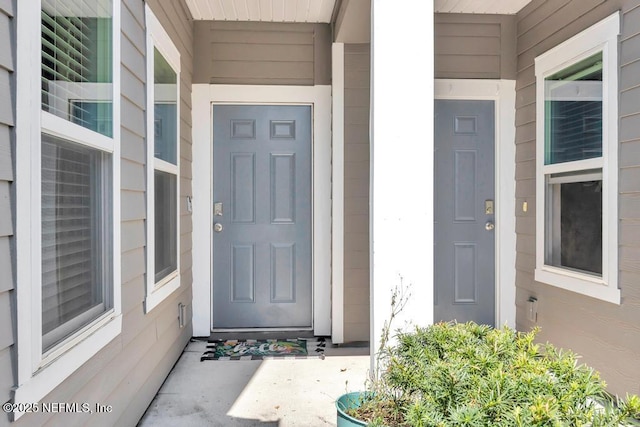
column 504, row 94
column 203, row 96
column 337, row 246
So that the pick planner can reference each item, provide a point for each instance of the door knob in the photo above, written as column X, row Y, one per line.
column 489, row 226
column 217, row 227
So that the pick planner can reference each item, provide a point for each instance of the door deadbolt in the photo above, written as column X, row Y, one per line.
column 217, row 208
column 488, row 207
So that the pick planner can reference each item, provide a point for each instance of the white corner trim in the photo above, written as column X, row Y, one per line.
column 337, row 236
column 203, row 96
column 504, row 94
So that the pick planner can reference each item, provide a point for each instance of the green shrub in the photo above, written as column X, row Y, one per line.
column 472, row 375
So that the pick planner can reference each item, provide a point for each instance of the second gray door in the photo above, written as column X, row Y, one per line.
column 262, row 216
column 464, row 211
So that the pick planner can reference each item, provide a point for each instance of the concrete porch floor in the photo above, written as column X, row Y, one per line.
column 278, row 393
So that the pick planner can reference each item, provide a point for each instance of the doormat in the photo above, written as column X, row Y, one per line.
column 298, row 348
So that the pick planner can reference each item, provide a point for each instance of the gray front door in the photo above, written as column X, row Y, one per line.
column 464, row 211
column 262, row 216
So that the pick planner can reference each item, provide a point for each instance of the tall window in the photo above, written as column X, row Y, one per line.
column 573, row 132
column 577, row 163
column 163, row 75
column 76, row 165
column 68, row 188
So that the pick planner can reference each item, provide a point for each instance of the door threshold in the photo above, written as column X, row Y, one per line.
column 253, row 334
column 232, row 330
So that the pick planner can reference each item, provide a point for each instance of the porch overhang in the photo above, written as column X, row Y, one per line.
column 307, row 11
column 353, row 17
column 498, row 7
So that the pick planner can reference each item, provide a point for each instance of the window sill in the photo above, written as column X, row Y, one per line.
column 161, row 292
column 47, row 378
column 591, row 286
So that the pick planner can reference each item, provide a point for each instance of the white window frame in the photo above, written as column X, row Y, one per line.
column 38, row 373
column 601, row 37
column 158, row 38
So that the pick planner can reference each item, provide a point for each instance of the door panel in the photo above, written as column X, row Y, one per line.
column 262, row 253
column 283, row 184
column 464, row 179
column 243, row 187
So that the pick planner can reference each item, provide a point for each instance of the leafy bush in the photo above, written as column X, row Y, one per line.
column 472, row 375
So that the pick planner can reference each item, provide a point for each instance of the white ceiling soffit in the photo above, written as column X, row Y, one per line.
column 502, row 7
column 262, row 10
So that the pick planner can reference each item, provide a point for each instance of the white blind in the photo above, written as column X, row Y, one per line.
column 573, row 112
column 77, row 62
column 72, row 237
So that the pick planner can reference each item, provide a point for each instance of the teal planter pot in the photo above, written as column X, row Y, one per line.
column 346, row 402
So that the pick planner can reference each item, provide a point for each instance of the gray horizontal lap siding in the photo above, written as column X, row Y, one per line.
column 356, row 192
column 607, row 335
column 7, row 201
column 128, row 371
column 474, row 46
column 261, row 53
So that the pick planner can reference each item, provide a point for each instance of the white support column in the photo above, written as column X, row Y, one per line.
column 401, row 161
column 202, row 215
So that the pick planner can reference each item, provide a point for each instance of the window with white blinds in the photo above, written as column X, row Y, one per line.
column 76, row 175
column 573, row 112
column 67, row 165
column 77, row 62
column 75, row 237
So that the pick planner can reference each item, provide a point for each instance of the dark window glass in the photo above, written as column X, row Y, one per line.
column 576, row 229
column 166, row 224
